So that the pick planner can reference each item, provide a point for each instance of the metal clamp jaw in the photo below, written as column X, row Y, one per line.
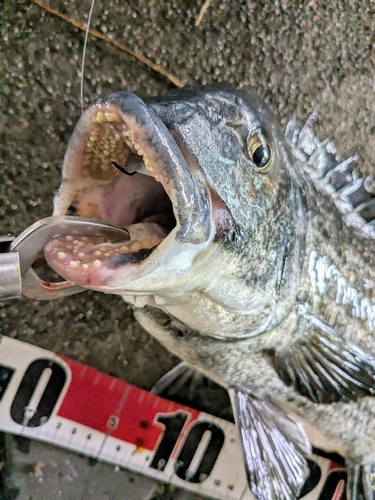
column 10, row 271
column 16, row 274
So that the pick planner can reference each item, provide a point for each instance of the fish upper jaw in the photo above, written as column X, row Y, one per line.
column 166, row 206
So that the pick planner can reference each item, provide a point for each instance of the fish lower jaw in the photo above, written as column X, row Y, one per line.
column 143, row 265
column 92, row 261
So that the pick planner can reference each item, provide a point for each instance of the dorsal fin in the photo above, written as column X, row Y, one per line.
column 353, row 196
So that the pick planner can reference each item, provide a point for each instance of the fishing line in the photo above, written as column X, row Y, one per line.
column 84, row 50
column 83, row 68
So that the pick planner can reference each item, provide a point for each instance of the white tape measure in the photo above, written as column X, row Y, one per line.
column 53, row 399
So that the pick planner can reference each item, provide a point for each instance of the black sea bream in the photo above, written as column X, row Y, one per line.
column 251, row 257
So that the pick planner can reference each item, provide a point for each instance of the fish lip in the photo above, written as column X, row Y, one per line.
column 191, row 203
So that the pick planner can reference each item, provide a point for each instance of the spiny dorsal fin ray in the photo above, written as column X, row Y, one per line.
column 324, row 367
column 273, row 444
column 342, row 175
column 354, row 197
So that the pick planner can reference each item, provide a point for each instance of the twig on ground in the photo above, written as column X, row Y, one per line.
column 202, row 12
column 116, row 44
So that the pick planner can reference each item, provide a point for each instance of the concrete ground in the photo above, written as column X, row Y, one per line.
column 42, row 472
column 299, row 56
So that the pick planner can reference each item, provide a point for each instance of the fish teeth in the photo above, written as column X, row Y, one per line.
column 112, row 117
column 135, row 246
column 106, row 117
column 74, row 264
column 99, row 117
column 105, row 144
column 95, row 262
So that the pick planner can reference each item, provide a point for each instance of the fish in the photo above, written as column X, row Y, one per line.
column 250, row 256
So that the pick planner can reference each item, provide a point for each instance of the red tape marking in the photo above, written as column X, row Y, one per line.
column 93, row 398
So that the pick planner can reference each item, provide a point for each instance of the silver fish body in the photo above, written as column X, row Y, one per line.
column 251, row 257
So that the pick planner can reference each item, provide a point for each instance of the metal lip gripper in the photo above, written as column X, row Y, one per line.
column 17, row 277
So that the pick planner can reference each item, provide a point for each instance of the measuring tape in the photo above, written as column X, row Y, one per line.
column 53, row 399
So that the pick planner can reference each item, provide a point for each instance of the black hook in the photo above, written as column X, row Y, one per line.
column 119, row 167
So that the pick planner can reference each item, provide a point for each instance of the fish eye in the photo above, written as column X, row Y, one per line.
column 259, row 152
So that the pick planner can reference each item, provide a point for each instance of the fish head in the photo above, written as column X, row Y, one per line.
column 204, row 175
column 236, row 142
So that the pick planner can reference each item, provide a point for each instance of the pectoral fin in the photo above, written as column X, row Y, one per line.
column 325, row 368
column 274, row 446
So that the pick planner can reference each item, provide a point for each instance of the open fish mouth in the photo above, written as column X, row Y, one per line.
column 123, row 166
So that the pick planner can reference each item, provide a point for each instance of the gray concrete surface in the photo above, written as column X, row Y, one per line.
column 33, row 470
column 42, row 472
column 300, row 56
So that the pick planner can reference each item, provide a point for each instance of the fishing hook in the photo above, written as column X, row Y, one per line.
column 119, row 167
